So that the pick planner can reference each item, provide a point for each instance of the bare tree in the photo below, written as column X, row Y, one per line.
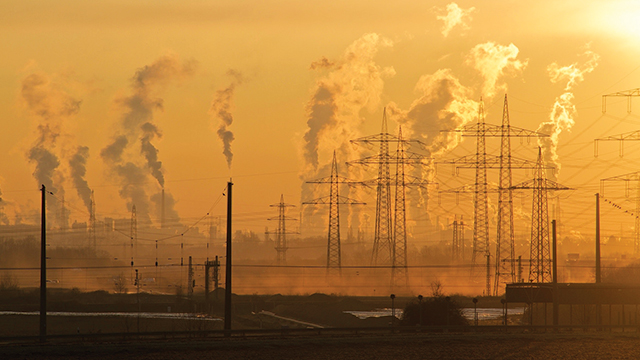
column 120, row 284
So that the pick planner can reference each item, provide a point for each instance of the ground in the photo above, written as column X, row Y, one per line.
column 399, row 346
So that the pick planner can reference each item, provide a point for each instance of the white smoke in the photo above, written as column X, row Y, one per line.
column 494, row 61
column 455, row 16
column 564, row 111
column 349, row 84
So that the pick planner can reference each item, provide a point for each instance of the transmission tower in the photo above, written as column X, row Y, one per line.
column 334, row 200
column 627, row 178
column 540, row 253
column 457, row 243
column 482, row 161
column 134, row 232
column 627, row 93
column 281, row 232
column 399, row 274
column 92, row 221
column 384, row 243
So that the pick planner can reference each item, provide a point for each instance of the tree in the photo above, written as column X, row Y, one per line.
column 120, row 284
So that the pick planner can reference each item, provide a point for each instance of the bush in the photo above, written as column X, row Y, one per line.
column 436, row 311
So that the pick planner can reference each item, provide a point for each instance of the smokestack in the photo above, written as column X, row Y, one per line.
column 162, row 211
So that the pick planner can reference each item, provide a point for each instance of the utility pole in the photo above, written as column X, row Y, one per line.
column 92, row 222
column 227, row 284
column 43, row 268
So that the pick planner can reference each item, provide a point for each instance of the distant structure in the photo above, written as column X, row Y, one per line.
column 457, row 243
column 92, row 221
column 134, row 232
column 334, row 200
column 627, row 178
column 281, row 232
column 540, row 252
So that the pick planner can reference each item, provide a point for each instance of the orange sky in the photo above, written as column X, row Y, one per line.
column 87, row 54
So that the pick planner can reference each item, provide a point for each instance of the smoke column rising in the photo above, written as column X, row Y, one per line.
column 132, row 167
column 347, row 86
column 51, row 105
column 77, row 164
column 564, row 111
column 221, row 108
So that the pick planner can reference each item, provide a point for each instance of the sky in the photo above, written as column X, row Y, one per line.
column 126, row 98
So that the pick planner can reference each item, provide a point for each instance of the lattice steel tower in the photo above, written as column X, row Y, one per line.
column 281, row 232
column 134, row 232
column 540, row 252
column 399, row 263
column 92, row 221
column 334, row 200
column 627, row 178
column 505, row 239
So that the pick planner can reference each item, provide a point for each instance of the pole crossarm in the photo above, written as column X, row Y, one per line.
column 491, row 162
column 634, row 176
column 546, row 184
column 410, row 159
column 630, row 136
column 411, row 181
column 342, row 200
column 625, row 93
column 490, row 130
column 385, row 137
column 469, row 188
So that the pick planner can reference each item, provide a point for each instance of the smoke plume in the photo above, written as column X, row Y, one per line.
column 352, row 83
column 78, row 166
column 131, row 164
column 564, row 111
column 221, row 108
column 455, row 16
column 494, row 61
column 444, row 104
column 348, row 85
column 51, row 105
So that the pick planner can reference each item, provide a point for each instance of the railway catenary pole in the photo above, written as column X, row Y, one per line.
column 227, row 284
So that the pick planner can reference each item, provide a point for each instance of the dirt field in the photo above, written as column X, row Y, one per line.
column 423, row 346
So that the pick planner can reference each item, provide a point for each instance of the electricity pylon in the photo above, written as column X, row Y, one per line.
column 627, row 178
column 384, row 244
column 540, row 252
column 334, row 200
column 457, row 242
column 627, row 93
column 92, row 221
column 281, row 232
column 134, row 232
column 481, row 161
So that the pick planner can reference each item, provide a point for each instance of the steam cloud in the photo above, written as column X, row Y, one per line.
column 444, row 104
column 563, row 112
column 137, row 125
column 455, row 16
column 349, row 84
column 352, row 83
column 493, row 61
column 221, row 108
column 51, row 105
column 78, row 163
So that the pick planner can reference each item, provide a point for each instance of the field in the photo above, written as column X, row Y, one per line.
column 414, row 346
